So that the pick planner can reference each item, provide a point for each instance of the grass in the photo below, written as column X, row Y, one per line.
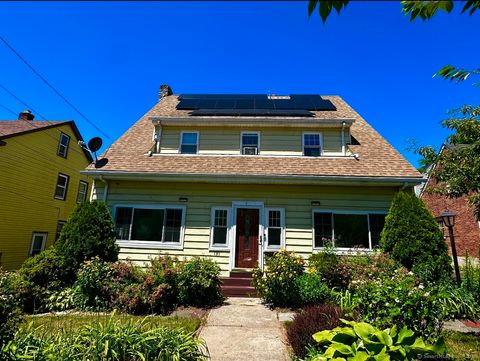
column 67, row 323
column 463, row 346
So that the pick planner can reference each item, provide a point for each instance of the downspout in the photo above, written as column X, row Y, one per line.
column 105, row 191
column 343, row 138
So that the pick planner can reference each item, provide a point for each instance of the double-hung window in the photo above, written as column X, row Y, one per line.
column 312, row 144
column 347, row 230
column 60, row 225
column 157, row 226
column 63, row 143
column 189, row 143
column 82, row 192
column 61, row 187
column 250, row 143
column 38, row 243
column 275, row 231
column 219, row 228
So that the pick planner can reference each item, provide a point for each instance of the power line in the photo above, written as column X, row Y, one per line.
column 21, row 101
column 8, row 109
column 31, row 123
column 51, row 86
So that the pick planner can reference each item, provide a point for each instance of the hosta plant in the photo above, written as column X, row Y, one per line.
column 361, row 341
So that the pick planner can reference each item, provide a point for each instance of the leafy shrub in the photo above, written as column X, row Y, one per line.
column 277, row 286
column 111, row 341
column 372, row 266
column 199, row 283
column 312, row 290
column 42, row 275
column 362, row 341
column 307, row 322
column 471, row 278
column 411, row 235
column 9, row 308
column 89, row 232
column 333, row 270
column 93, row 285
column 61, row 300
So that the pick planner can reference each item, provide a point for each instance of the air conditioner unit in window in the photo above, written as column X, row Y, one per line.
column 250, row 150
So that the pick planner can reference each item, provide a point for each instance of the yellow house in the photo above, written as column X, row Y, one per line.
column 40, row 184
column 235, row 177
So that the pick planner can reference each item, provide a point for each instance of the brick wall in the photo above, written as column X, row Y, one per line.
column 466, row 229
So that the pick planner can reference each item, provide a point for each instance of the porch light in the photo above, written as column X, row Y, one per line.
column 315, row 203
column 183, row 199
column 448, row 218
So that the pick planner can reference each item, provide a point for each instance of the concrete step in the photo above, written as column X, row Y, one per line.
column 239, row 291
column 236, row 281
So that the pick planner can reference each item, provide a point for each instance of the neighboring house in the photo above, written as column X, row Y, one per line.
column 466, row 230
column 233, row 177
column 40, row 184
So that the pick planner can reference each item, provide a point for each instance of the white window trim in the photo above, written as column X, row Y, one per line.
column 320, row 135
column 149, row 244
column 86, row 191
column 61, row 145
column 181, row 137
column 226, row 247
column 44, row 241
column 269, row 248
column 67, row 177
column 241, row 140
column 345, row 250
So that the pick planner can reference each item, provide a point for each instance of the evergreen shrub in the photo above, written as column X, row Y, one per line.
column 412, row 236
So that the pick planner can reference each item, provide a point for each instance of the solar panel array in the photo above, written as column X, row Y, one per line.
column 253, row 104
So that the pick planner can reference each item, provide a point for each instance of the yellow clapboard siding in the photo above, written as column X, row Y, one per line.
column 30, row 166
column 296, row 200
column 220, row 140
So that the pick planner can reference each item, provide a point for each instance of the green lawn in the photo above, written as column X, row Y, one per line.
column 71, row 322
column 463, row 346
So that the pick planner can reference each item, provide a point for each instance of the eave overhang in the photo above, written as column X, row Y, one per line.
column 287, row 122
column 256, row 178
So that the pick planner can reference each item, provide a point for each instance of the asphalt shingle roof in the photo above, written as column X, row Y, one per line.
column 377, row 157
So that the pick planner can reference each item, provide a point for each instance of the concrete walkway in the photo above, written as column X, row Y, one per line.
column 244, row 330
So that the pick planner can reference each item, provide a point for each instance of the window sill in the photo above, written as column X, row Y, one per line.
column 219, row 249
column 347, row 251
column 149, row 245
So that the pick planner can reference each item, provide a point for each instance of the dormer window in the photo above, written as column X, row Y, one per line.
column 62, row 149
column 312, row 146
column 250, row 143
column 189, row 143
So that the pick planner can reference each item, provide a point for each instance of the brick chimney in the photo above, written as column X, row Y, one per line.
column 26, row 115
column 165, row 90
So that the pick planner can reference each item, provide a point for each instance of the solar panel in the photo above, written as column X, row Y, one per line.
column 254, row 102
column 253, row 112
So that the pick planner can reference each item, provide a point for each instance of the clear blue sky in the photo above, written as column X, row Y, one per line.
column 109, row 58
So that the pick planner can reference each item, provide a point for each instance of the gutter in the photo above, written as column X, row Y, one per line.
column 253, row 121
column 254, row 178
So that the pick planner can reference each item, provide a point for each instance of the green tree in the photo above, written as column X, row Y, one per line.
column 89, row 232
column 424, row 10
column 456, row 167
column 412, row 236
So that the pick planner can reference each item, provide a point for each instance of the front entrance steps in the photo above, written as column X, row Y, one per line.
column 239, row 284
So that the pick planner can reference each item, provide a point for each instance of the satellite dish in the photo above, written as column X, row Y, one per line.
column 95, row 144
column 101, row 163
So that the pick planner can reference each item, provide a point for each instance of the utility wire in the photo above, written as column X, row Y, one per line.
column 21, row 101
column 30, row 122
column 51, row 86
column 8, row 109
